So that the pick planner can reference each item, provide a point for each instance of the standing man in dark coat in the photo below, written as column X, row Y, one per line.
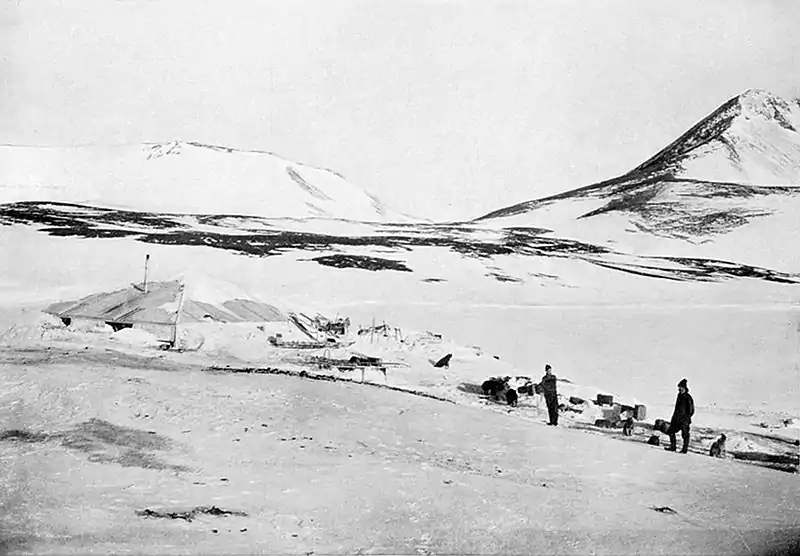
column 550, row 394
column 681, row 417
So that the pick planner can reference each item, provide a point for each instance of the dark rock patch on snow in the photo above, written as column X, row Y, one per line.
column 362, row 262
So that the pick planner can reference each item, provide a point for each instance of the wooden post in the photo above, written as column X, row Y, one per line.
column 146, row 260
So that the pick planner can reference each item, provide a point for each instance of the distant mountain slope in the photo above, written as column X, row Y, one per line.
column 180, row 177
column 753, row 138
column 738, row 165
column 653, row 223
column 508, row 255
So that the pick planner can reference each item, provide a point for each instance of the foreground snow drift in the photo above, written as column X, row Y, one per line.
column 272, row 461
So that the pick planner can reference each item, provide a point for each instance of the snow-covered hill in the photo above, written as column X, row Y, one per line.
column 713, row 192
column 753, row 138
column 181, row 177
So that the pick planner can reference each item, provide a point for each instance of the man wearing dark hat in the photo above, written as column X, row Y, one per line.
column 550, row 392
column 681, row 417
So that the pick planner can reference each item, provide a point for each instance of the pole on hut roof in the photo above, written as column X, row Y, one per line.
column 146, row 260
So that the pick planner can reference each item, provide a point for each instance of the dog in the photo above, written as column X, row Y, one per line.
column 492, row 387
column 512, row 397
column 496, row 387
column 661, row 426
column 717, row 449
column 627, row 427
column 444, row 362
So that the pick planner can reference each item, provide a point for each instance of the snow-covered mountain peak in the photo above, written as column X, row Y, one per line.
column 740, row 164
column 758, row 103
column 753, row 138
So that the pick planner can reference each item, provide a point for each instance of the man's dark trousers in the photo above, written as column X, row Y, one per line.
column 684, row 430
column 552, row 407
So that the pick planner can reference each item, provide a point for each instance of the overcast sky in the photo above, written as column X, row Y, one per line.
column 442, row 108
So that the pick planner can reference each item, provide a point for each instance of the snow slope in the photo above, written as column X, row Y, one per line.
column 633, row 333
column 755, row 225
column 713, row 192
column 181, row 177
column 753, row 138
column 335, row 468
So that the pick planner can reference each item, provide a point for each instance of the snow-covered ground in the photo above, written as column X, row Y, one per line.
column 93, row 439
column 98, row 426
